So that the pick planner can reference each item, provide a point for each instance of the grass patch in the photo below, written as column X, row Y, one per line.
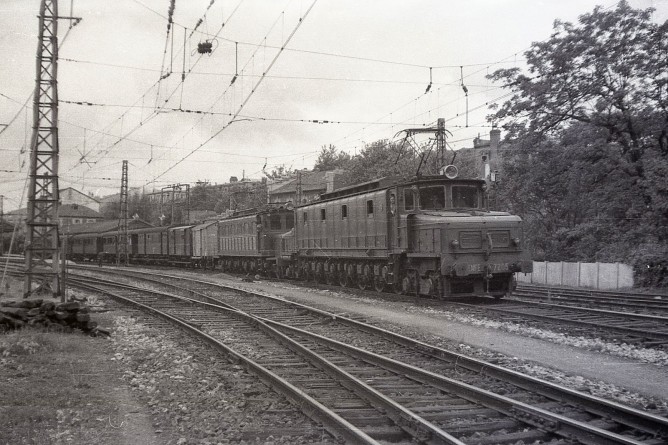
column 57, row 388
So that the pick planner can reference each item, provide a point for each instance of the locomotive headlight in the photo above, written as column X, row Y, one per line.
column 517, row 241
column 454, row 243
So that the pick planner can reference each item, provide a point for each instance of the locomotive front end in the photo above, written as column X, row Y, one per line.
column 455, row 246
column 481, row 252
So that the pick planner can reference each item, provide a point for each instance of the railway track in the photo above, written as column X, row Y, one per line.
column 644, row 330
column 416, row 386
column 651, row 304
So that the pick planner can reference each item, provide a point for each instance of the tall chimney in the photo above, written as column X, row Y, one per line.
column 494, row 139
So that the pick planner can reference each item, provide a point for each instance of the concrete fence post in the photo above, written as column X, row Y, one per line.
column 598, row 275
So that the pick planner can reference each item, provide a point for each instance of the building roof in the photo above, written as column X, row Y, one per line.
column 60, row 191
column 77, row 211
column 311, row 181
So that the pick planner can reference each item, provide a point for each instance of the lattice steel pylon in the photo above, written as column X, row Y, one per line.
column 122, row 251
column 42, row 251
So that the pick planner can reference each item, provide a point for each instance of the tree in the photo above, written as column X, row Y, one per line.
column 588, row 122
column 330, row 159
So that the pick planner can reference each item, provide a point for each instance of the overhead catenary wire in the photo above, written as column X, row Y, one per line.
column 271, row 64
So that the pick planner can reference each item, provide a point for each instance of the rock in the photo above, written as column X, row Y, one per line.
column 69, row 306
column 34, row 312
column 15, row 312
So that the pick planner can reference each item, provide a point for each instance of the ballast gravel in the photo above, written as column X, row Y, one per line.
column 195, row 396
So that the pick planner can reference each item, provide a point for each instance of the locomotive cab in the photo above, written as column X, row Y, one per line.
column 451, row 245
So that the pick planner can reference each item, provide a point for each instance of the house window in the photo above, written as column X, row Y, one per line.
column 344, row 211
column 369, row 208
column 323, row 215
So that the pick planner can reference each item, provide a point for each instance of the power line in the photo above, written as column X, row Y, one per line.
column 287, row 41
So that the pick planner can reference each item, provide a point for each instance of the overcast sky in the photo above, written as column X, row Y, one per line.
column 363, row 66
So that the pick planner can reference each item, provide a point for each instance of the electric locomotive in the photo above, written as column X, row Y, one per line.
column 431, row 235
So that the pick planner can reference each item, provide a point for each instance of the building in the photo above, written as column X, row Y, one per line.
column 75, row 207
column 304, row 187
column 487, row 154
column 70, row 195
column 75, row 214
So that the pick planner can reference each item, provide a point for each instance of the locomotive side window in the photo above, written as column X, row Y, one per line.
column 305, row 218
column 275, row 222
column 344, row 211
column 464, row 196
column 369, row 208
column 289, row 222
column 432, row 198
column 323, row 214
column 408, row 200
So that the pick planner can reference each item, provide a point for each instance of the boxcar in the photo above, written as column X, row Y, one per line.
column 180, row 245
column 205, row 244
column 150, row 246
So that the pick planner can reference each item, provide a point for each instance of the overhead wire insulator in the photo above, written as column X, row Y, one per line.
column 205, row 47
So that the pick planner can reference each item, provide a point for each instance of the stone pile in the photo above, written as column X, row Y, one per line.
column 48, row 314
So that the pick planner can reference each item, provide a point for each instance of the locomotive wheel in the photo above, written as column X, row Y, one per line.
column 378, row 283
column 330, row 273
column 320, row 272
column 365, row 280
column 343, row 277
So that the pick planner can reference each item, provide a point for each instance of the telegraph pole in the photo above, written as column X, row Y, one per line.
column 122, row 250
column 42, row 219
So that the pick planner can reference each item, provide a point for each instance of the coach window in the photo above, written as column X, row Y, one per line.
column 323, row 214
column 369, row 209
column 344, row 211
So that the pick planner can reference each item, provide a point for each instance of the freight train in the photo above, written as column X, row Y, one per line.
column 430, row 235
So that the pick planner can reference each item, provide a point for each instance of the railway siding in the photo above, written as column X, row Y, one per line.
column 524, row 411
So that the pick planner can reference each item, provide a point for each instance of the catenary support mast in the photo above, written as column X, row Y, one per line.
column 122, row 251
column 42, row 251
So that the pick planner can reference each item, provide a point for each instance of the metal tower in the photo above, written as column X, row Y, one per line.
column 42, row 251
column 122, row 251
column 440, row 133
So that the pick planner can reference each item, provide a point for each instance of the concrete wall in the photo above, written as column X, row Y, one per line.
column 590, row 275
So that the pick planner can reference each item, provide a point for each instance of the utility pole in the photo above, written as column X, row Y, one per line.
column 299, row 188
column 122, row 250
column 42, row 251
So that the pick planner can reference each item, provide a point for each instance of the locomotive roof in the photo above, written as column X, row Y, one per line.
column 204, row 225
column 104, row 226
column 386, row 182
